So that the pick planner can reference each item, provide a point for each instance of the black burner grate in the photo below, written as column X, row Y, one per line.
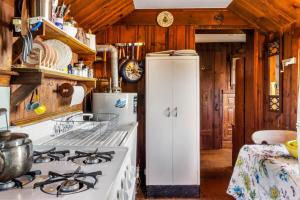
column 20, row 181
column 69, row 183
column 49, row 155
column 93, row 157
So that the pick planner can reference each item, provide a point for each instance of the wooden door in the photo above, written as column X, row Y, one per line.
column 158, row 122
column 186, row 121
column 207, row 97
column 228, row 119
column 213, row 68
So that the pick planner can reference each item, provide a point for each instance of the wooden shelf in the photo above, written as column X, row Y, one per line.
column 31, row 78
column 8, row 72
column 48, row 73
column 50, row 31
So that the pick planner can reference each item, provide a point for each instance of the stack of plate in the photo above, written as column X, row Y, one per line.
column 53, row 54
column 63, row 53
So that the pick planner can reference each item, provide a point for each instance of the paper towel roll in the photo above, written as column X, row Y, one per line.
column 78, row 95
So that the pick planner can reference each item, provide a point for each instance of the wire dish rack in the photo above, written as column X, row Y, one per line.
column 92, row 122
column 88, row 129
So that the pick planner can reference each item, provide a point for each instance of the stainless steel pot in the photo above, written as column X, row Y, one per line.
column 41, row 8
column 15, row 154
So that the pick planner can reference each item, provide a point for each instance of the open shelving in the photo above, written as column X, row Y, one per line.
column 31, row 78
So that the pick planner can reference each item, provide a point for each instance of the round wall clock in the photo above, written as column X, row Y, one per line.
column 165, row 19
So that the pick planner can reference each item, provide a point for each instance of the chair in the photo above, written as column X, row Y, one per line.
column 273, row 136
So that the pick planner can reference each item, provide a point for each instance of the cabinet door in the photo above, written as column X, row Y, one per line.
column 158, row 122
column 186, row 122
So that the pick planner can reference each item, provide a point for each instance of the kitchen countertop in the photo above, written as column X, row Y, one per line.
column 265, row 172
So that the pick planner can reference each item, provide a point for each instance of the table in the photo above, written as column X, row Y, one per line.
column 265, row 172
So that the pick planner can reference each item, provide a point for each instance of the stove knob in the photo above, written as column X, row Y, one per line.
column 122, row 195
column 124, row 184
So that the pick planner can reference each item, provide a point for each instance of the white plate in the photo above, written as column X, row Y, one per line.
column 63, row 51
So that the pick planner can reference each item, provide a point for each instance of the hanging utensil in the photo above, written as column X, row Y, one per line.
column 131, row 70
column 104, row 64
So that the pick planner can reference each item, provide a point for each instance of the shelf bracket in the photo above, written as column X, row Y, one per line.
column 29, row 81
column 22, row 93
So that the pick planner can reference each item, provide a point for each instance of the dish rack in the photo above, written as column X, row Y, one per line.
column 91, row 122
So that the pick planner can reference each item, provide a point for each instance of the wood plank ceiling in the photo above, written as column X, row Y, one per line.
column 97, row 14
column 267, row 15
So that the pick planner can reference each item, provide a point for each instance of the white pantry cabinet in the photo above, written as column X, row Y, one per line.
column 172, row 121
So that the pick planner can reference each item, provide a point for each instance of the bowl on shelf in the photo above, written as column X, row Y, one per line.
column 292, row 148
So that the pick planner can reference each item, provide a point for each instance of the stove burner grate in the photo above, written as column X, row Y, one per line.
column 92, row 158
column 20, row 181
column 49, row 156
column 70, row 183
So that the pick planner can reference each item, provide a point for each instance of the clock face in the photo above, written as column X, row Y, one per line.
column 165, row 19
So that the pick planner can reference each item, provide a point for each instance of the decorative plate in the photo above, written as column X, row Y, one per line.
column 165, row 19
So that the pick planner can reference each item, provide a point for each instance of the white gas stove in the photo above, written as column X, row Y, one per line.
column 85, row 163
column 73, row 176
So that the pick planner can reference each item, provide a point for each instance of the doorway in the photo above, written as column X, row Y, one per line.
column 218, row 69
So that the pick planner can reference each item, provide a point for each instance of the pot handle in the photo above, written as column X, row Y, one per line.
column 2, row 162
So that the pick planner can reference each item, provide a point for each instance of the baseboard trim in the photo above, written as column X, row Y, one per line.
column 181, row 191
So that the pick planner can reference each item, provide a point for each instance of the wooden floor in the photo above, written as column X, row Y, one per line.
column 215, row 174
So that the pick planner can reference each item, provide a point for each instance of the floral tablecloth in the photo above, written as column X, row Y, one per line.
column 265, row 172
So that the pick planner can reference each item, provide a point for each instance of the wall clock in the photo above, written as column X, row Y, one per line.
column 165, row 19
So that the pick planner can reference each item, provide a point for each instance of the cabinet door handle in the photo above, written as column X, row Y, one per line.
column 175, row 112
column 168, row 112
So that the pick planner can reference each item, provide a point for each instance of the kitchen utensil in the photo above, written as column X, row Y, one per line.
column 131, row 70
column 292, row 148
column 41, row 8
column 125, row 55
column 33, row 103
column 40, row 110
column 15, row 153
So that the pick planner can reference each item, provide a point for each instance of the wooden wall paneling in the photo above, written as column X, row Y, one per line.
column 249, row 96
column 6, row 39
column 290, row 79
column 287, row 118
column 259, row 41
column 201, row 18
column 238, row 135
